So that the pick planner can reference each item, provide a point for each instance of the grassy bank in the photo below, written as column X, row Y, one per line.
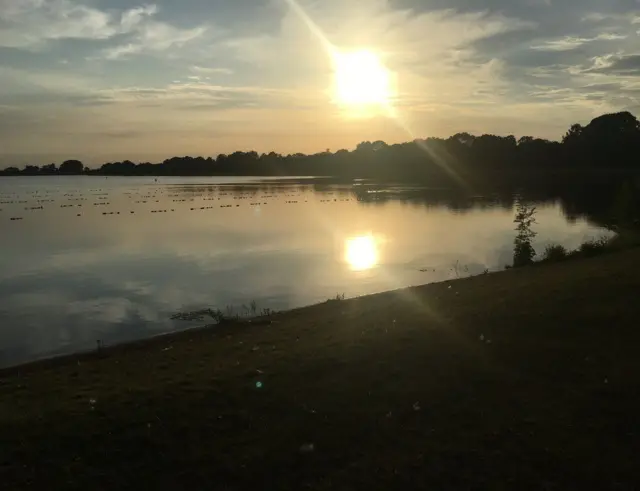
column 523, row 379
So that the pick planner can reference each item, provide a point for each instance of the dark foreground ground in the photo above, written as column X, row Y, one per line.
column 391, row 391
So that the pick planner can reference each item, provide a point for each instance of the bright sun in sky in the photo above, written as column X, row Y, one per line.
column 360, row 79
column 361, row 252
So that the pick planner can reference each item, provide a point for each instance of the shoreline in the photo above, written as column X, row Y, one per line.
column 523, row 378
column 51, row 361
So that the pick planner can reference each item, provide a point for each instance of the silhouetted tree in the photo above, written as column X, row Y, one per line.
column 49, row 169
column 611, row 140
column 71, row 167
column 31, row 170
column 574, row 135
column 525, row 140
column 464, row 138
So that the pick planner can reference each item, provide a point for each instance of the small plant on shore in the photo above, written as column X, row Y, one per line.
column 555, row 253
column 523, row 251
column 338, row 298
column 217, row 315
column 230, row 314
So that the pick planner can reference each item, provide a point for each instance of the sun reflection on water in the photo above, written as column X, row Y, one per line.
column 361, row 252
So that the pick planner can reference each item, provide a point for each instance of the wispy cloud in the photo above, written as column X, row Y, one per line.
column 31, row 23
column 631, row 17
column 568, row 43
column 154, row 37
column 211, row 70
column 432, row 52
column 617, row 64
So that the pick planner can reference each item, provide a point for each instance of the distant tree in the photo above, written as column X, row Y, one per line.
column 365, row 146
column 574, row 135
column 71, row 167
column 609, row 140
column 464, row 138
column 31, row 170
column 613, row 127
column 378, row 145
column 49, row 169
column 525, row 140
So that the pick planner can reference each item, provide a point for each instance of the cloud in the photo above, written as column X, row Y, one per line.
column 376, row 25
column 133, row 17
column 630, row 16
column 211, row 70
column 30, row 24
column 568, row 43
column 153, row 37
column 617, row 65
column 431, row 53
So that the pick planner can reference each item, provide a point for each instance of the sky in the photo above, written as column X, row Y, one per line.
column 106, row 80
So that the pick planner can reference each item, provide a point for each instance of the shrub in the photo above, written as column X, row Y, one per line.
column 625, row 239
column 555, row 252
column 594, row 247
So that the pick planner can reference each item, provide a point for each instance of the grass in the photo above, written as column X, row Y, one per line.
column 522, row 379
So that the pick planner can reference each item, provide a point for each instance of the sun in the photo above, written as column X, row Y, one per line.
column 361, row 253
column 360, row 79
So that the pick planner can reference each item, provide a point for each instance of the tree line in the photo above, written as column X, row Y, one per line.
column 611, row 141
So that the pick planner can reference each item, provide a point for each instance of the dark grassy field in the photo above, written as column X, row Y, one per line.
column 394, row 391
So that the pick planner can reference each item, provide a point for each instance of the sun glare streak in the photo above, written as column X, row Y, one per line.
column 362, row 85
column 313, row 27
column 439, row 160
column 361, row 253
column 367, row 87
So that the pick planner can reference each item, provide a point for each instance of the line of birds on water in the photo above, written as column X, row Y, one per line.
column 99, row 194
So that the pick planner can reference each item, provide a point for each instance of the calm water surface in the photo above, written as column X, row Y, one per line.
column 91, row 258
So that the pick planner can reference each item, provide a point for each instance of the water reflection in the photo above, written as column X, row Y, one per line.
column 113, row 259
column 361, row 252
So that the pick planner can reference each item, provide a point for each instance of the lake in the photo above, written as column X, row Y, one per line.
column 111, row 259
